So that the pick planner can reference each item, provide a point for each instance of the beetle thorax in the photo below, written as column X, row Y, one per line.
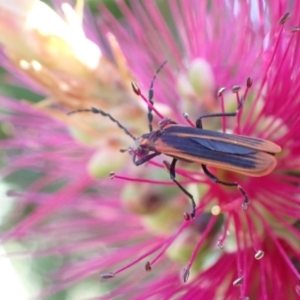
column 148, row 140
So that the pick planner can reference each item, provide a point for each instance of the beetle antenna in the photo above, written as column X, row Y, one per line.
column 149, row 100
column 151, row 95
column 103, row 113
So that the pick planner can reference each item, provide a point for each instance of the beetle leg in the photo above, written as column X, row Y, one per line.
column 143, row 159
column 171, row 169
column 233, row 114
column 215, row 179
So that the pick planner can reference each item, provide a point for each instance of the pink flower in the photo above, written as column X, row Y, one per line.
column 119, row 227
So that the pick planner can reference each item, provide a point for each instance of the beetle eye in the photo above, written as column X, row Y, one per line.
column 142, row 150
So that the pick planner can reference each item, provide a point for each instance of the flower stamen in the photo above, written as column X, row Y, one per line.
column 107, row 275
column 228, row 207
column 220, row 95
column 279, row 246
column 166, row 245
column 238, row 281
column 148, row 267
column 284, row 18
column 220, row 242
column 186, row 116
column 149, row 100
column 112, row 175
column 259, row 254
column 195, row 251
column 251, row 125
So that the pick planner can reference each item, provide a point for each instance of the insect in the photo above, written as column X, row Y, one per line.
column 240, row 154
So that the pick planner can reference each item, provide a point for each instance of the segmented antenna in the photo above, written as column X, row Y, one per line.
column 151, row 94
column 103, row 113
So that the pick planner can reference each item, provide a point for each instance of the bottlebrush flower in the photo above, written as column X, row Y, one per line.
column 119, row 227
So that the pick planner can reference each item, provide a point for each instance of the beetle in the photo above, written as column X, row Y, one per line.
column 237, row 153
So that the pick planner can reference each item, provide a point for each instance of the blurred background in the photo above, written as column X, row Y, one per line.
column 21, row 274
